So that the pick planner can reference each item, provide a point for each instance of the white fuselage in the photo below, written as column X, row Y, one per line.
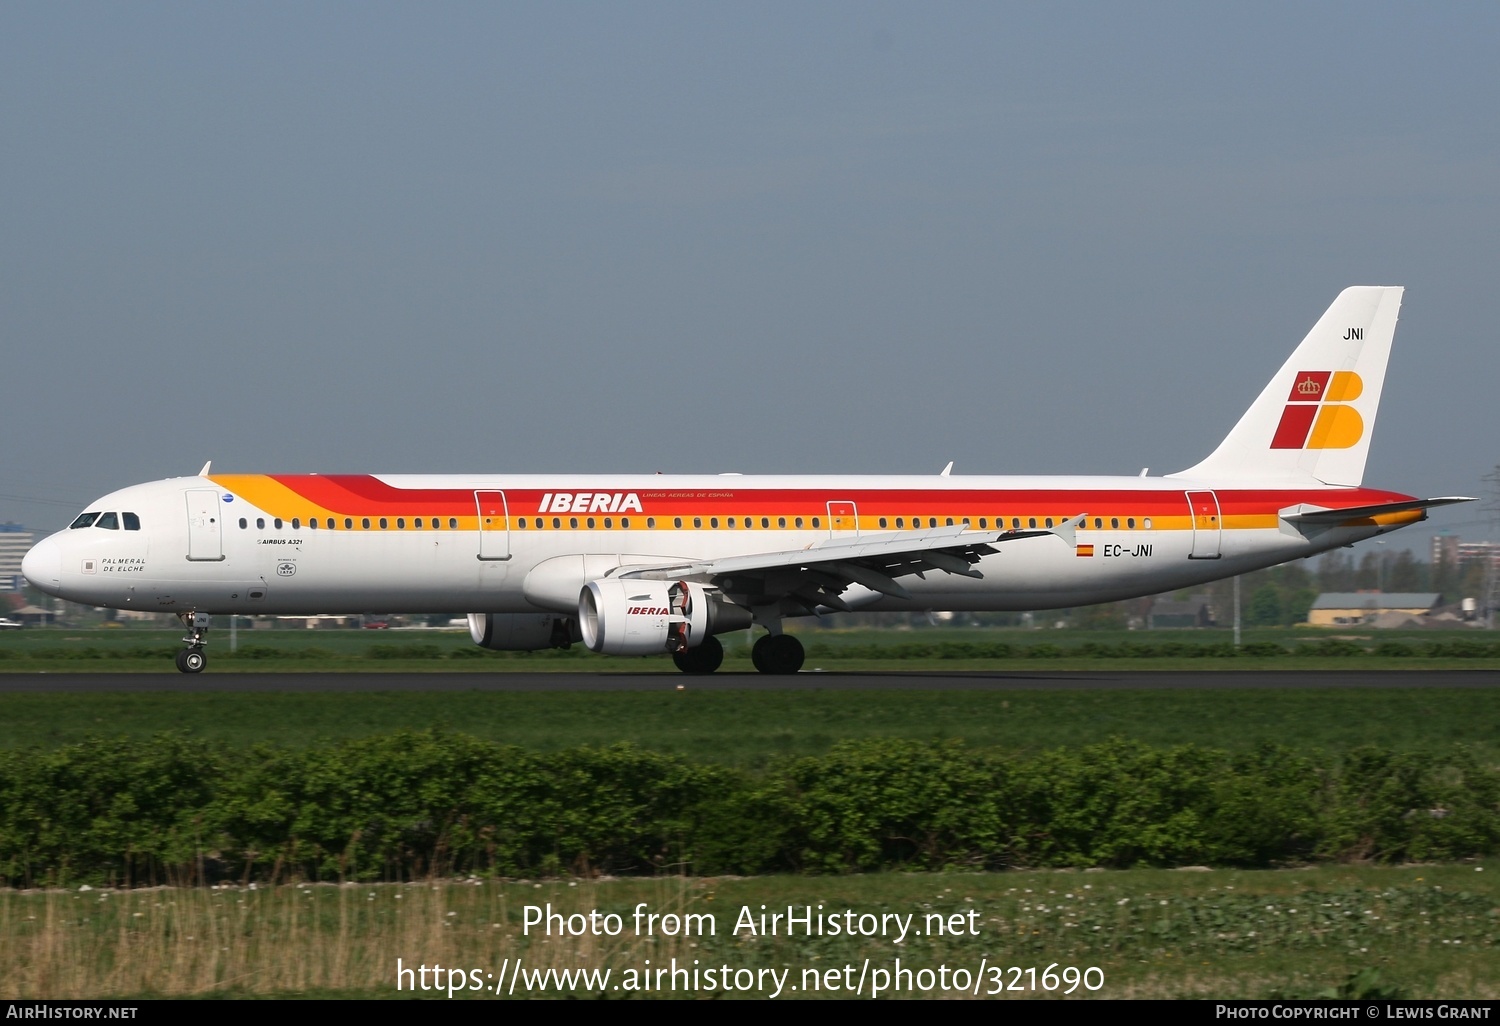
column 305, row 544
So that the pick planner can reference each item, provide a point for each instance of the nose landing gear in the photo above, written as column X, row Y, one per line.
column 192, row 659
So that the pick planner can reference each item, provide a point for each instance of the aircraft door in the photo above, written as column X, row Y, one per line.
column 494, row 525
column 1208, row 525
column 205, row 525
column 843, row 518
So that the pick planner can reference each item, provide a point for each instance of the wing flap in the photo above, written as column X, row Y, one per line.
column 952, row 549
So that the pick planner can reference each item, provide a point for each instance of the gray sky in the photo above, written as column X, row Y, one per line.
column 765, row 237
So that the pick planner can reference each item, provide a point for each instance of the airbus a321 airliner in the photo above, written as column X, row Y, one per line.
column 646, row 565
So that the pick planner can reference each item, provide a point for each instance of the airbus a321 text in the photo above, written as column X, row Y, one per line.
column 646, row 565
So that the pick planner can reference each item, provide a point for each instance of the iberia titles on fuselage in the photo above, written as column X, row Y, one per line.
column 637, row 565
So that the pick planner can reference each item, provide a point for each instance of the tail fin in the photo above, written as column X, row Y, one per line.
column 1315, row 417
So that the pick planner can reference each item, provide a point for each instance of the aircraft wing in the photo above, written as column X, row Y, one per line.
column 817, row 575
column 1305, row 513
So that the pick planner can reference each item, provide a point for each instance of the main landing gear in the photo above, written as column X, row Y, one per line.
column 777, row 653
column 706, row 658
column 773, row 653
column 192, row 659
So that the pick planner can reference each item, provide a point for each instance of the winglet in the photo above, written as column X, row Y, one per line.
column 947, row 470
column 1067, row 530
column 206, row 467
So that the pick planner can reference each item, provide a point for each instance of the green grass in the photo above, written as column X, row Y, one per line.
column 150, row 650
column 1415, row 932
column 743, row 728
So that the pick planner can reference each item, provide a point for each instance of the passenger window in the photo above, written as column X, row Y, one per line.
column 364, row 523
column 713, row 522
column 521, row 523
column 781, row 521
column 1049, row 521
column 650, row 522
column 1130, row 523
column 296, row 524
column 697, row 521
column 882, row 522
column 765, row 522
column 983, row 523
column 1015, row 523
column 1147, row 524
column 556, row 523
column 1098, row 523
column 277, row 523
column 932, row 521
column 1031, row 521
column 260, row 523
column 1114, row 523
column 400, row 523
column 108, row 521
column 676, row 521
column 383, row 523
column 312, row 522
column 799, row 521
column 348, row 523
column 330, row 524
column 731, row 523
column 624, row 523
column 573, row 523
column 900, row 523
column 609, row 522
column 591, row 523
column 815, row 521
column 948, row 522
column 84, row 520
column 243, row 523
column 132, row 522
column 453, row 523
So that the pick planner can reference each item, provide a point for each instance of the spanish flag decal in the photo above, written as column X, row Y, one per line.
column 1085, row 550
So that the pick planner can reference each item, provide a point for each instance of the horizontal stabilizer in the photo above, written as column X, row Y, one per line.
column 1305, row 513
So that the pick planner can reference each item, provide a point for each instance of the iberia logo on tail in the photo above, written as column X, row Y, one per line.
column 1317, row 414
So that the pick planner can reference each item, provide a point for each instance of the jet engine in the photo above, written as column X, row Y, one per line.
column 631, row 617
column 522, row 632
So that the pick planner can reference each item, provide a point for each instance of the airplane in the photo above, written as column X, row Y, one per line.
column 656, row 564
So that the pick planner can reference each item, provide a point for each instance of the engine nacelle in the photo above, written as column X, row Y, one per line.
column 630, row 617
column 522, row 632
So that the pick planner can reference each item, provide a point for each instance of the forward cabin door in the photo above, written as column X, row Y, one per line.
column 205, row 525
column 494, row 525
column 1208, row 525
column 843, row 520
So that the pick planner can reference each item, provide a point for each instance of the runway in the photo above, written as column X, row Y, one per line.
column 1188, row 680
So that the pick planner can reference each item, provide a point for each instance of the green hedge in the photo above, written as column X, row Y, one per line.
column 412, row 804
column 1330, row 648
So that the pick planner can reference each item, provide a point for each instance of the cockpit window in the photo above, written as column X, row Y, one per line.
column 108, row 521
column 84, row 520
column 132, row 522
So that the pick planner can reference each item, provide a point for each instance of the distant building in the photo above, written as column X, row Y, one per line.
column 1453, row 550
column 15, row 542
column 1370, row 608
column 1193, row 611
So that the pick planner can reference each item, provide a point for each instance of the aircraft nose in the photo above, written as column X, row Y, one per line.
column 42, row 566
